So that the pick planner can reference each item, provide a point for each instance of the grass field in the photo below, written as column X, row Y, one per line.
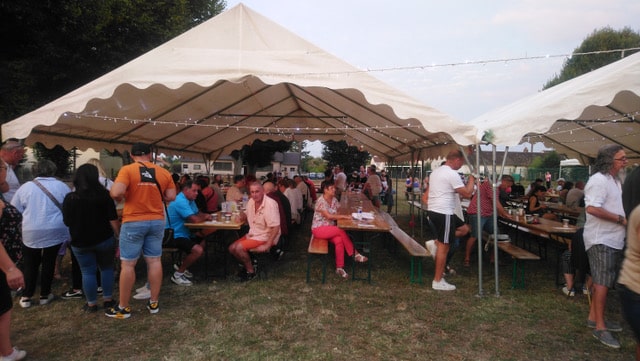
column 284, row 318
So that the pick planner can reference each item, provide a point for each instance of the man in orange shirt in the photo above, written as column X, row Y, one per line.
column 145, row 187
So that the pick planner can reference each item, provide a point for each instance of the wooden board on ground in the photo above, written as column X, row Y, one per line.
column 411, row 245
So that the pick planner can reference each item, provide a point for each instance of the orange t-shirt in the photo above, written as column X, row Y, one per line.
column 143, row 201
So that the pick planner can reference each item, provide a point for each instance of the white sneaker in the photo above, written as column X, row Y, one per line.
column 47, row 300
column 432, row 247
column 568, row 292
column 25, row 302
column 186, row 272
column 442, row 286
column 143, row 294
column 180, row 280
column 15, row 355
column 143, row 289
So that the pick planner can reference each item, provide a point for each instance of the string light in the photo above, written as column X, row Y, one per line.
column 252, row 128
column 466, row 62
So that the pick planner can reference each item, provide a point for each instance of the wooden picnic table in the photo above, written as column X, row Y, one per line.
column 349, row 204
column 562, row 209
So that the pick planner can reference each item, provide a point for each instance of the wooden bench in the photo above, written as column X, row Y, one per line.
column 415, row 249
column 318, row 248
column 518, row 255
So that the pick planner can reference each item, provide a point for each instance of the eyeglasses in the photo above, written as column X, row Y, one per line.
column 621, row 159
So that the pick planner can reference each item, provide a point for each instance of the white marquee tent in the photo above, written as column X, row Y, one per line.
column 233, row 79
column 578, row 116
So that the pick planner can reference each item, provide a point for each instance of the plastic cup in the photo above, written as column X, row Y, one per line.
column 565, row 222
column 227, row 218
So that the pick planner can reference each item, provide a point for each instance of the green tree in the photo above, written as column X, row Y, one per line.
column 314, row 164
column 53, row 47
column 259, row 153
column 603, row 39
column 547, row 160
column 58, row 155
column 340, row 153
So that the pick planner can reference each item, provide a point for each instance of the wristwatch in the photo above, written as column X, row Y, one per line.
column 620, row 219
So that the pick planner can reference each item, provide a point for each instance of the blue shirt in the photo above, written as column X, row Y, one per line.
column 179, row 210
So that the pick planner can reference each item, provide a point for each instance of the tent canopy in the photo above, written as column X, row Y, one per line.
column 577, row 116
column 233, row 79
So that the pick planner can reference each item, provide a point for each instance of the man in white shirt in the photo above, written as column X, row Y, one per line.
column 604, row 235
column 11, row 152
column 445, row 186
column 340, row 180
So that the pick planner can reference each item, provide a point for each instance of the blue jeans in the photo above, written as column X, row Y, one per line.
column 100, row 256
column 141, row 237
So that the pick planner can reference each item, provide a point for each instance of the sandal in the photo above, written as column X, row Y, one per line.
column 360, row 258
column 342, row 273
column 467, row 263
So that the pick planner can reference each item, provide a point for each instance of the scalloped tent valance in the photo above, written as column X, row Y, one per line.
column 577, row 116
column 234, row 79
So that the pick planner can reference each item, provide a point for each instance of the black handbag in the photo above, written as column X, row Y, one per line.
column 167, row 239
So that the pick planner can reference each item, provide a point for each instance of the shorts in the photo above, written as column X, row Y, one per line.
column 486, row 224
column 184, row 244
column 6, row 303
column 605, row 264
column 444, row 226
column 630, row 308
column 142, row 237
column 248, row 244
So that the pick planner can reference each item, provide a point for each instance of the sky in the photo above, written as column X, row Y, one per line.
column 448, row 45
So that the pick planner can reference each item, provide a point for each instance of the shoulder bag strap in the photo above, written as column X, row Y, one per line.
column 46, row 191
column 166, row 211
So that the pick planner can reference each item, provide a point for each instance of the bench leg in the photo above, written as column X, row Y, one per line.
column 517, row 278
column 364, row 245
column 416, row 267
column 323, row 259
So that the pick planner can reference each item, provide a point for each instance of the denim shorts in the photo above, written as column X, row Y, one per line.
column 486, row 224
column 142, row 237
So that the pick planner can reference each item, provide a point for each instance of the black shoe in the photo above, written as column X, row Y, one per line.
column 248, row 276
column 71, row 294
column 90, row 309
column 277, row 253
column 109, row 304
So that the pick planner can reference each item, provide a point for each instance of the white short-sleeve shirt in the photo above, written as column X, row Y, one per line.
column 603, row 191
column 443, row 183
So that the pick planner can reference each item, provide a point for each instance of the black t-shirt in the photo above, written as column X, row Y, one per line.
column 88, row 217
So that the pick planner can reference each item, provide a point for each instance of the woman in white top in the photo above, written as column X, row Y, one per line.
column 43, row 230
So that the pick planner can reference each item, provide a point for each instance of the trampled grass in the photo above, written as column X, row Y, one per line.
column 284, row 318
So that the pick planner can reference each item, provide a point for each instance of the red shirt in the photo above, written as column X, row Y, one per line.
column 486, row 200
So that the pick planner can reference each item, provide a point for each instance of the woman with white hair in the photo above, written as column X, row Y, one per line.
column 43, row 231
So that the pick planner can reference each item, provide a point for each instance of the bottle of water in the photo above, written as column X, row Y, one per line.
column 245, row 199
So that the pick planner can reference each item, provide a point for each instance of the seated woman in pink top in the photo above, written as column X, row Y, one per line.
column 324, row 226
